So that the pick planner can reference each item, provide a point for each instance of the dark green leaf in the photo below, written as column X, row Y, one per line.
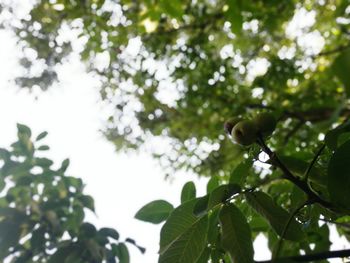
column 212, row 184
column 9, row 237
column 213, row 228
column 155, row 212
column 23, row 129
column 172, row 8
column 43, row 148
column 43, row 162
column 239, row 174
column 200, row 208
column 234, row 15
column 87, row 230
column 341, row 68
column 204, row 257
column 236, row 235
column 339, row 176
column 121, row 251
column 188, row 246
column 222, row 193
column 188, row 192
column 41, row 136
column 332, row 136
column 88, row 202
column 179, row 221
column 64, row 166
column 275, row 215
column 109, row 232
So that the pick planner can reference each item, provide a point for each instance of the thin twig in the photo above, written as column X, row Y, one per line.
column 306, row 176
column 345, row 225
column 294, row 130
column 332, row 51
column 280, row 241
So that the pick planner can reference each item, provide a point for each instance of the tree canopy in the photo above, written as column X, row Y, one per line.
column 175, row 71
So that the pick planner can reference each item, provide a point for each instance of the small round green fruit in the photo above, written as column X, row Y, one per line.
column 229, row 124
column 265, row 123
column 244, row 133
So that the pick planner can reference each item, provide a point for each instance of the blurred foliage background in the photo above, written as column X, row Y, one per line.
column 173, row 71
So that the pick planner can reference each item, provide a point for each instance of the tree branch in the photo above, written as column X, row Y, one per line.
column 313, row 197
column 311, row 257
column 341, row 224
column 293, row 131
column 332, row 51
column 201, row 25
column 316, row 115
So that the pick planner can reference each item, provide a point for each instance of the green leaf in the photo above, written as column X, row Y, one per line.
column 218, row 196
column 234, row 15
column 109, row 232
column 43, row 148
column 180, row 220
column 61, row 254
column 43, row 162
column 188, row 192
column 275, row 215
column 200, row 208
column 172, row 8
column 241, row 172
column 213, row 228
column 222, row 193
column 9, row 237
column 331, row 138
column 121, row 251
column 4, row 154
column 341, row 68
column 87, row 230
column 339, row 176
column 236, row 234
column 94, row 250
column 23, row 129
column 188, row 246
column 41, row 136
column 204, row 257
column 64, row 165
column 155, row 212
column 88, row 202
column 212, row 184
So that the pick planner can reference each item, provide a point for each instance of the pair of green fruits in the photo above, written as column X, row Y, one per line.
column 246, row 132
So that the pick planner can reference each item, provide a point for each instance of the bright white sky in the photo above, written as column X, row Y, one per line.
column 120, row 184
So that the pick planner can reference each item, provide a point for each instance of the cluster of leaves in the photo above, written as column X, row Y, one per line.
column 292, row 212
column 42, row 211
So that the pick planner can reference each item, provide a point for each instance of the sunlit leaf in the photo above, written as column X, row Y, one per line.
column 155, row 212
